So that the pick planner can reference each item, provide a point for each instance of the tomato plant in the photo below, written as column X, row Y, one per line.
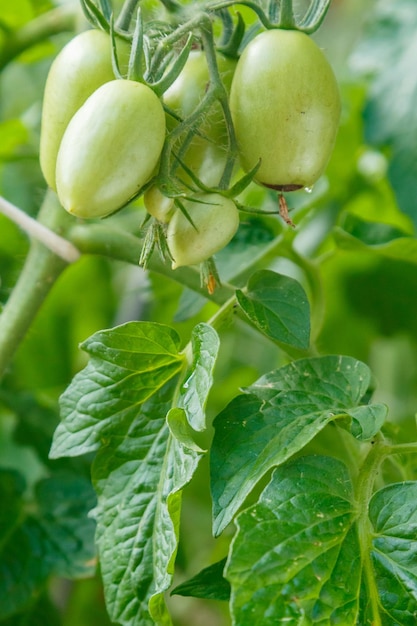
column 208, row 389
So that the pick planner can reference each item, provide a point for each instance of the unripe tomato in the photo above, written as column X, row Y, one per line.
column 82, row 66
column 205, row 158
column 159, row 206
column 285, row 107
column 216, row 220
column 110, row 148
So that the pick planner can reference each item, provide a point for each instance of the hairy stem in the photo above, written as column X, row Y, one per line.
column 129, row 9
column 41, row 270
column 286, row 14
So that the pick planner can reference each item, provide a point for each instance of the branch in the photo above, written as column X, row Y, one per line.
column 60, row 246
column 40, row 272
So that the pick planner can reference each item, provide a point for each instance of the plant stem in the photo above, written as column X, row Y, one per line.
column 46, row 25
column 33, row 228
column 126, row 14
column 364, row 490
column 41, row 269
column 404, row 448
column 219, row 90
column 286, row 14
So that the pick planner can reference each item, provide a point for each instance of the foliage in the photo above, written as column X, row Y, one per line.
column 228, row 443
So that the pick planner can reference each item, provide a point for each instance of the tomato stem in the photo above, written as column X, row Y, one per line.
column 41, row 270
column 220, row 93
column 286, row 14
column 60, row 246
column 126, row 14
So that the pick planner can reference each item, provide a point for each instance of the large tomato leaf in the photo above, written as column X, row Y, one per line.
column 131, row 407
column 393, row 514
column 278, row 307
column 127, row 365
column 277, row 416
column 138, row 476
column 295, row 557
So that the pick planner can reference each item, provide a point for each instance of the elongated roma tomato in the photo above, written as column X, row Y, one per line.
column 285, row 107
column 110, row 148
column 82, row 66
column 215, row 219
column 205, row 157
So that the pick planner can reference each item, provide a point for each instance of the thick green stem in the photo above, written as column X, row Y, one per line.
column 364, row 490
column 126, row 14
column 286, row 14
column 41, row 269
column 56, row 21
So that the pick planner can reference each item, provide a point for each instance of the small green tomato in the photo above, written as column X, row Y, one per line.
column 159, row 206
column 110, row 149
column 215, row 219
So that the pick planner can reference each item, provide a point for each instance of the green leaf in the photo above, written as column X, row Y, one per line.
column 209, row 584
column 295, row 558
column 181, row 429
column 128, row 364
column 278, row 307
column 194, row 390
column 139, row 475
column 371, row 233
column 384, row 240
column 367, row 420
column 56, row 539
column 393, row 513
column 275, row 418
column 64, row 503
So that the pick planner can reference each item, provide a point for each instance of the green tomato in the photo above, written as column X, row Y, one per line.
column 285, row 106
column 206, row 158
column 215, row 219
column 82, row 66
column 159, row 206
column 110, row 149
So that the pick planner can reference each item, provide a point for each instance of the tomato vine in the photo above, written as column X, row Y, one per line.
column 188, row 126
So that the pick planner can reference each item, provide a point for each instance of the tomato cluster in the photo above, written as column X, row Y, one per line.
column 102, row 138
